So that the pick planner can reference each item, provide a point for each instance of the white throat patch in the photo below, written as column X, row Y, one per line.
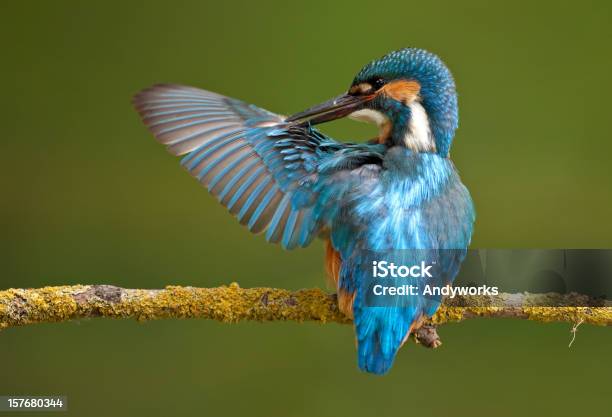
column 419, row 137
column 373, row 116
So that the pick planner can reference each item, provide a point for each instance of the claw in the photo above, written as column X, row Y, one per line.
column 427, row 336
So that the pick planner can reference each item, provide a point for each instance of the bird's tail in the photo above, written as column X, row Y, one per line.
column 381, row 331
column 383, row 322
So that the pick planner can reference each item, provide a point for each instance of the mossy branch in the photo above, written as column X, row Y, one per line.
column 20, row 307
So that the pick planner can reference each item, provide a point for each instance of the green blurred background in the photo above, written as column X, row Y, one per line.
column 89, row 197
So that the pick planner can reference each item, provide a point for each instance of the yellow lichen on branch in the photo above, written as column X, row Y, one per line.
column 227, row 303
column 231, row 303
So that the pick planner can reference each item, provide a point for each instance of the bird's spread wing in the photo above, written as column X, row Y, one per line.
column 268, row 173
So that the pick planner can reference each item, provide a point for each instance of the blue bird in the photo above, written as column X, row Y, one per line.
column 399, row 193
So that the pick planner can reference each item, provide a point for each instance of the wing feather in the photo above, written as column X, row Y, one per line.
column 262, row 169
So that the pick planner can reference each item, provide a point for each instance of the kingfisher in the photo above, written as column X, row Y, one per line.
column 280, row 176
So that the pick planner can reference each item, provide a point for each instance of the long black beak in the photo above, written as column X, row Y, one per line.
column 332, row 109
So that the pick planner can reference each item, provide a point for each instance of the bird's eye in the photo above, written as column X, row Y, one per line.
column 378, row 83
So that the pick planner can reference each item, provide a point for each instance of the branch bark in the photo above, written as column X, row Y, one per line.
column 19, row 307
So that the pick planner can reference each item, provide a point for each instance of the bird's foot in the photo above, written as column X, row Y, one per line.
column 427, row 336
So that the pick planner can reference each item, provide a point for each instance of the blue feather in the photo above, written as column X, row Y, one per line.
column 228, row 187
column 197, row 156
column 245, row 185
column 277, row 217
column 228, row 150
column 289, row 228
column 253, row 196
column 262, row 206
column 228, row 169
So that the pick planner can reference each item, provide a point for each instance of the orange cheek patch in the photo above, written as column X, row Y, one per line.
column 404, row 91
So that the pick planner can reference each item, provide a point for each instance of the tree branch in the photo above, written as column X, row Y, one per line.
column 19, row 307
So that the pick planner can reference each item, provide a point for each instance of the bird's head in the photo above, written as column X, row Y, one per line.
column 410, row 94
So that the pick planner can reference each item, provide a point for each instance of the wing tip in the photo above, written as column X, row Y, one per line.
column 147, row 92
